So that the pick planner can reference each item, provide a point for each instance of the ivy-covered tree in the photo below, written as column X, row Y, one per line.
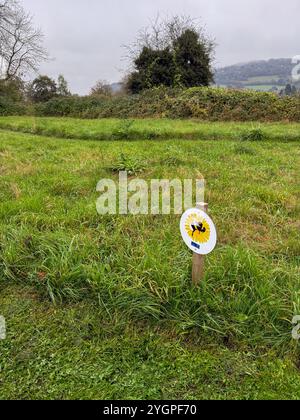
column 153, row 68
column 193, row 60
column 174, row 53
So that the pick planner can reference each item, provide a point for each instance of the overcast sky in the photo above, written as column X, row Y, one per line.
column 85, row 38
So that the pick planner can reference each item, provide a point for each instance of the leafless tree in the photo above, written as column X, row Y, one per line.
column 101, row 88
column 161, row 33
column 21, row 44
column 6, row 18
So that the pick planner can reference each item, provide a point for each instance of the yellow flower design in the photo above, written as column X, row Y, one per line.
column 197, row 228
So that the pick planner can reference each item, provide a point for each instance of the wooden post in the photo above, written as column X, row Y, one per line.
column 199, row 260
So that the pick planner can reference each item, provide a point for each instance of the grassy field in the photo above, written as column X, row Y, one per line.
column 263, row 83
column 147, row 129
column 264, row 88
column 103, row 307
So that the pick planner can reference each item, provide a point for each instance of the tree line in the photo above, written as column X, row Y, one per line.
column 173, row 52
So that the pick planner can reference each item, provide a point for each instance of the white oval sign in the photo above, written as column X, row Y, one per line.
column 198, row 231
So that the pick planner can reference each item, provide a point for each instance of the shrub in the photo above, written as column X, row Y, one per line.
column 256, row 134
column 42, row 89
column 131, row 165
column 12, row 89
column 122, row 132
column 210, row 104
column 8, row 107
column 205, row 104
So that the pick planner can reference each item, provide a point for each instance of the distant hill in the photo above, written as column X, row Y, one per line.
column 265, row 75
column 271, row 74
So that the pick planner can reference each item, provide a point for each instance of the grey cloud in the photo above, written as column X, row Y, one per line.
column 85, row 38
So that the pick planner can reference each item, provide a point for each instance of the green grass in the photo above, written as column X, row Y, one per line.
column 260, row 79
column 148, row 129
column 68, row 353
column 127, row 280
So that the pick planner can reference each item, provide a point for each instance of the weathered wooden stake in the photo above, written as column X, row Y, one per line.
column 199, row 260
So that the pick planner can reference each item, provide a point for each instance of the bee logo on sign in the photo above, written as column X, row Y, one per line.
column 198, row 231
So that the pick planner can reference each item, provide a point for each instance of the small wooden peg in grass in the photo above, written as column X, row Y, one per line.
column 199, row 260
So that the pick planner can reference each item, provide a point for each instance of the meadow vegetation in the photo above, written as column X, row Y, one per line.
column 103, row 307
column 118, row 289
column 66, row 352
column 151, row 129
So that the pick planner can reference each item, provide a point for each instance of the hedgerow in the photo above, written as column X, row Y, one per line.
column 9, row 107
column 203, row 103
column 210, row 104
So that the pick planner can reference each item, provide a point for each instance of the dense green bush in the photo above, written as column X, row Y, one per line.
column 12, row 89
column 11, row 97
column 9, row 107
column 42, row 89
column 201, row 103
column 210, row 104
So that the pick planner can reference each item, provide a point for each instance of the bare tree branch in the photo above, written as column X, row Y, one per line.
column 21, row 44
column 161, row 33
